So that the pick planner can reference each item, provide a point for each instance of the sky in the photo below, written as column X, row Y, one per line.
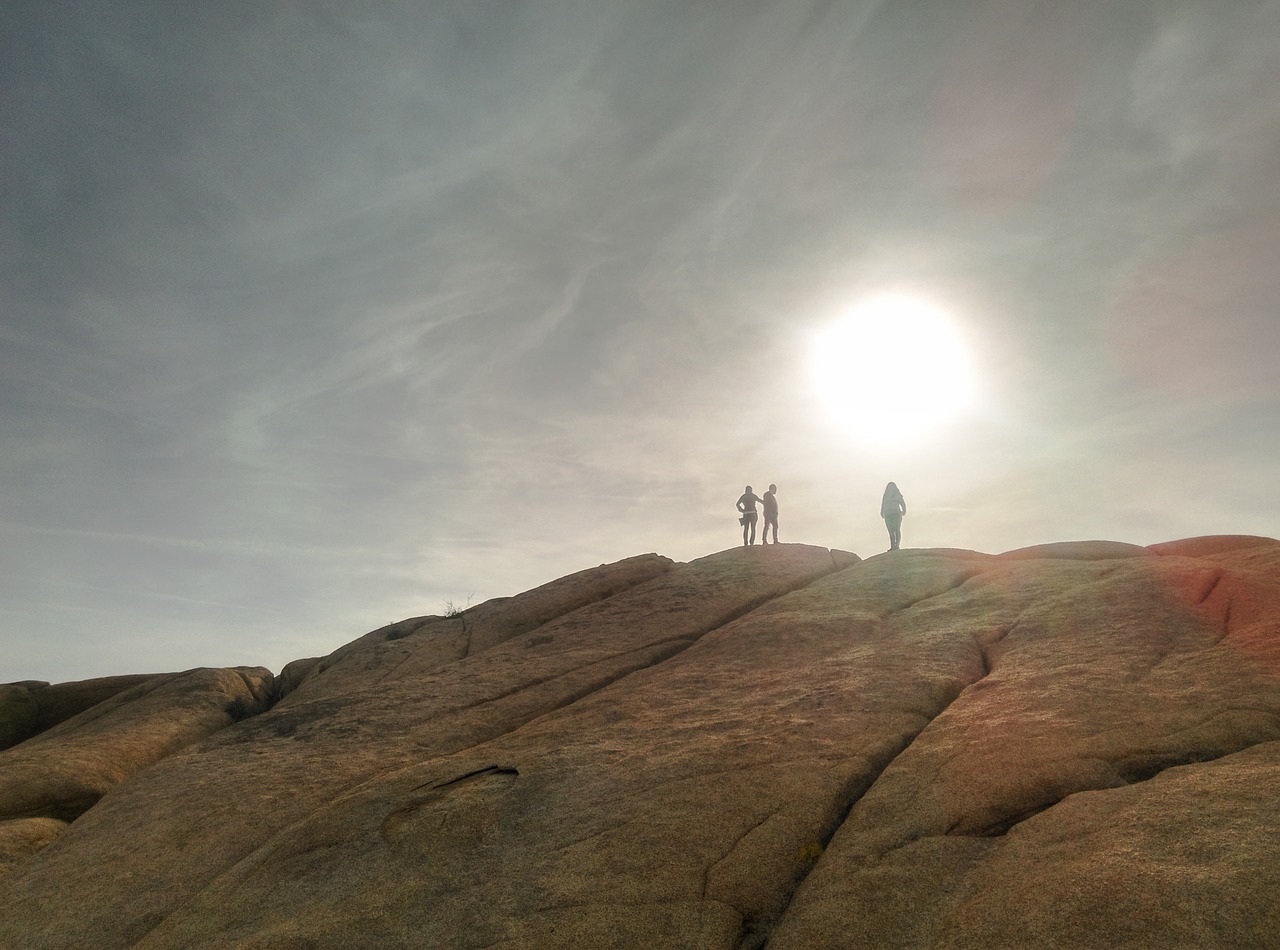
column 319, row 315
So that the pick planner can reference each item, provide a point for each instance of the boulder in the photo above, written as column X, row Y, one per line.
column 61, row 701
column 62, row 772
column 29, row 708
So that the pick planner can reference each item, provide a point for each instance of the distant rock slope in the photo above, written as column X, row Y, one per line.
column 1073, row 745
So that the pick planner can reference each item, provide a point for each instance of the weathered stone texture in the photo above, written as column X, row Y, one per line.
column 411, row 647
column 325, row 739
column 1075, row 745
column 29, row 708
column 22, row 837
column 1080, row 783
column 62, row 772
column 61, row 701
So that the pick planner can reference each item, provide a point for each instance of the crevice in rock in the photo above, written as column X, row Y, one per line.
column 260, row 701
column 595, row 905
column 416, row 625
column 996, row 829
column 950, row 588
column 443, row 621
column 651, row 655
column 757, row 933
column 1135, row 773
column 984, row 650
column 469, row 776
column 67, row 809
column 401, row 631
column 1213, row 585
column 1131, row 773
column 655, row 654
column 706, row 875
column 669, row 648
column 591, row 837
column 757, row 938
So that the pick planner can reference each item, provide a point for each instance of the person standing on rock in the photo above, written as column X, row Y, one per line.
column 892, row 509
column 747, row 507
column 770, row 501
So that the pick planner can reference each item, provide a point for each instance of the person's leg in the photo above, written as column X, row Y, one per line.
column 751, row 523
column 745, row 522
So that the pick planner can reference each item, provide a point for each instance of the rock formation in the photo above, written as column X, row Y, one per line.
column 1073, row 745
column 61, row 773
column 29, row 708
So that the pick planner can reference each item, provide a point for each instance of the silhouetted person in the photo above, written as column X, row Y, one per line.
column 747, row 505
column 892, row 508
column 770, row 501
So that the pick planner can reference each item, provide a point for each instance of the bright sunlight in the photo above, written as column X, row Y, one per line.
column 893, row 371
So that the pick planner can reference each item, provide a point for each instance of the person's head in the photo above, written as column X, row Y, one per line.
column 773, row 488
column 748, row 489
column 891, row 489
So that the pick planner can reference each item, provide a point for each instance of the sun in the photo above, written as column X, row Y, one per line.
column 894, row 370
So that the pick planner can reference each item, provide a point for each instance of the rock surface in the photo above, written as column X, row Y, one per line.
column 29, row 708
column 23, row 837
column 1072, row 745
column 62, row 772
column 19, row 712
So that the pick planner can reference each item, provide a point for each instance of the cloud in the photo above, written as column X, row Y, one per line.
column 312, row 317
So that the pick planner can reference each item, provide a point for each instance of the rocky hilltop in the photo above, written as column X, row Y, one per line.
column 1074, row 745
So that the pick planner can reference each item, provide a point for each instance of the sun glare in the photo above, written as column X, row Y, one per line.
column 893, row 371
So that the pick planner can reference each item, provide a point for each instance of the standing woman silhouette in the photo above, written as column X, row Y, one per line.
column 892, row 507
column 747, row 507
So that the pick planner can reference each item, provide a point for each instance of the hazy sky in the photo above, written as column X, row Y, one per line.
column 318, row 315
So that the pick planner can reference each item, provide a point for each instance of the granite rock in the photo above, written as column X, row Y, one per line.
column 62, row 772
column 1073, row 745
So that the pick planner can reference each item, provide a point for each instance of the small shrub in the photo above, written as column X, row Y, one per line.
column 453, row 610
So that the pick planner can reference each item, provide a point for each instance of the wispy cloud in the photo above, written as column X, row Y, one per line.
column 312, row 317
